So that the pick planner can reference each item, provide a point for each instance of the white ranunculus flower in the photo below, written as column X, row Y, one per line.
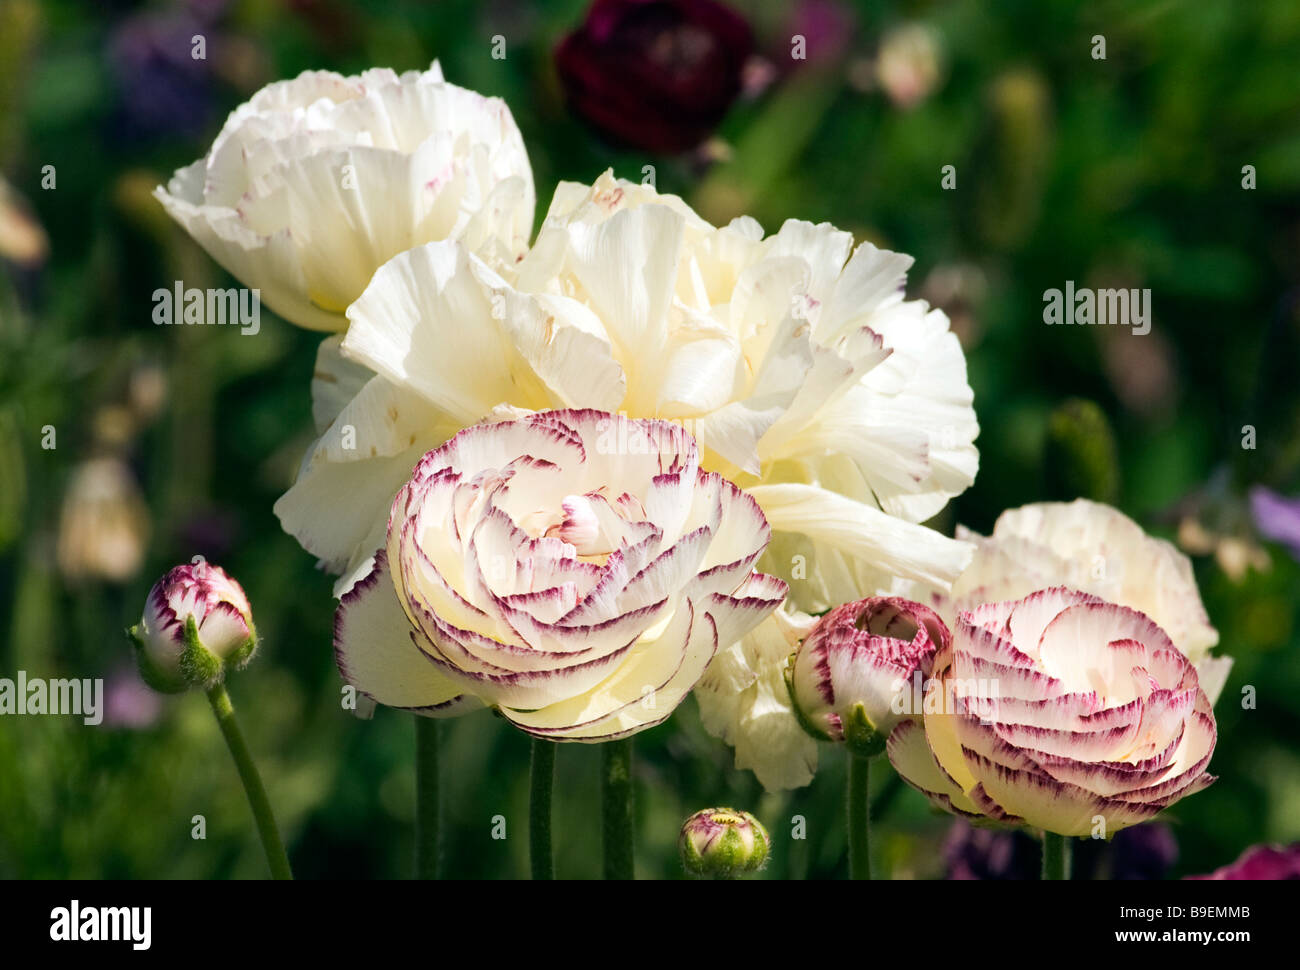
column 744, row 700
column 842, row 408
column 316, row 182
column 575, row 570
column 1055, row 711
column 1097, row 549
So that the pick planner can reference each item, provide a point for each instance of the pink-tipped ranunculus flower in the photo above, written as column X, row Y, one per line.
column 1095, row 548
column 852, row 678
column 575, row 570
column 1059, row 711
column 197, row 623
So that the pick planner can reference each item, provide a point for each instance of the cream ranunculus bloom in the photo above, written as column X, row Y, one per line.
column 842, row 408
column 575, row 570
column 316, row 182
column 1083, row 545
column 744, row 700
column 1055, row 711
column 1097, row 549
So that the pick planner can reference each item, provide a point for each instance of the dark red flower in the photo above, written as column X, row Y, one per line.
column 656, row 75
column 1261, row 862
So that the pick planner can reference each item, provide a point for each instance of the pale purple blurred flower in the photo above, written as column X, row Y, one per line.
column 1145, row 851
column 162, row 88
column 128, row 701
column 1261, row 862
column 1277, row 518
column 978, row 853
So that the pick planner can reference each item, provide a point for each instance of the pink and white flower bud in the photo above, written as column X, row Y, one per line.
column 723, row 843
column 197, row 622
column 852, row 677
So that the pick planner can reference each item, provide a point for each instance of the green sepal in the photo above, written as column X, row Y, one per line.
column 199, row 666
column 860, row 736
column 692, row 861
column 244, row 653
column 727, row 858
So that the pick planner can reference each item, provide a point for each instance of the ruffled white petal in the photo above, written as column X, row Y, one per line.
column 316, row 182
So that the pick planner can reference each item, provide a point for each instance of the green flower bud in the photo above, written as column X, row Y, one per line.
column 722, row 843
column 1081, row 459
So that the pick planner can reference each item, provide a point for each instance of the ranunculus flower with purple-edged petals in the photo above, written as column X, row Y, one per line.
column 657, row 75
column 1261, row 862
column 1277, row 518
column 572, row 569
column 1058, row 709
column 851, row 680
column 316, row 182
column 197, row 623
column 1094, row 548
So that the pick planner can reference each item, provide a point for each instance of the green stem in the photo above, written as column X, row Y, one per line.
column 616, row 798
column 859, row 817
column 1056, row 856
column 541, row 784
column 427, row 805
column 225, row 712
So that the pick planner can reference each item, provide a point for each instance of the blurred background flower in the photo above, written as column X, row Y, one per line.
column 128, row 701
column 816, row 33
column 1261, row 862
column 1141, row 852
column 22, row 239
column 1277, row 518
column 909, row 66
column 104, row 527
column 164, row 88
column 656, row 75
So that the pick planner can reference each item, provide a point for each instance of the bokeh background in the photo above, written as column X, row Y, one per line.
column 175, row 442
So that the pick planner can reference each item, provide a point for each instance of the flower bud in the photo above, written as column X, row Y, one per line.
column 197, row 623
column 722, row 843
column 851, row 679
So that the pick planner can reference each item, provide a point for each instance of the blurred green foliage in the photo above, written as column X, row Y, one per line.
column 1124, row 171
